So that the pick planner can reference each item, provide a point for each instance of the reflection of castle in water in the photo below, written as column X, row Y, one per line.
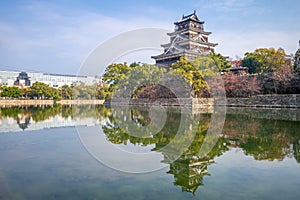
column 189, row 170
column 256, row 132
column 265, row 138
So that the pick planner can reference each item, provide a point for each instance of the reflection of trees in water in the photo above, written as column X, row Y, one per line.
column 266, row 148
column 190, row 168
column 11, row 112
column 81, row 112
column 264, row 139
column 296, row 150
column 36, row 113
column 45, row 113
column 115, row 134
column 21, row 115
column 140, row 117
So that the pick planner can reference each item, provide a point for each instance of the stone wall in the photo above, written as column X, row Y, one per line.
column 266, row 113
column 267, row 101
column 80, row 102
column 272, row 101
column 188, row 102
column 36, row 102
column 29, row 102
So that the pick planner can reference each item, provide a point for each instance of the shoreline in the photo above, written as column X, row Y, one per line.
column 291, row 101
column 37, row 102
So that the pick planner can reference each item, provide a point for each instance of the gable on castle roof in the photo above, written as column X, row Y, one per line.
column 192, row 17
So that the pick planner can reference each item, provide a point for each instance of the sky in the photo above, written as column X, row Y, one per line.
column 56, row 36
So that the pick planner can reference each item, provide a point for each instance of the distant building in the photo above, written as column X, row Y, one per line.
column 26, row 79
column 239, row 71
column 23, row 79
column 8, row 78
column 189, row 39
column 237, row 68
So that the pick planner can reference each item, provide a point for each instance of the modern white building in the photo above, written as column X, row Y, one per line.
column 11, row 78
column 8, row 77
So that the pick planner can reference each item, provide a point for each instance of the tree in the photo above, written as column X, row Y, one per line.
column 42, row 91
column 195, row 72
column 83, row 91
column 252, row 64
column 241, row 86
column 129, row 78
column 115, row 73
column 142, row 76
column 222, row 63
column 26, row 92
column 192, row 75
column 270, row 60
column 39, row 90
column 13, row 92
column 103, row 92
column 54, row 94
column 66, row 91
column 276, row 66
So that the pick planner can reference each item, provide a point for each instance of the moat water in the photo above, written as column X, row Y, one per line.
column 68, row 153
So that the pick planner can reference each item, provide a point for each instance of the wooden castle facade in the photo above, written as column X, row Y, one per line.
column 189, row 39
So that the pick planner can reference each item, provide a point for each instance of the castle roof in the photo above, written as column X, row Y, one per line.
column 190, row 17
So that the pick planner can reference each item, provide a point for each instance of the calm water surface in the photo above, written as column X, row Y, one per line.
column 257, row 155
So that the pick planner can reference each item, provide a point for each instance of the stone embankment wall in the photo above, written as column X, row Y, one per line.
column 80, row 102
column 35, row 102
column 160, row 102
column 29, row 102
column 267, row 101
column 272, row 101
column 266, row 113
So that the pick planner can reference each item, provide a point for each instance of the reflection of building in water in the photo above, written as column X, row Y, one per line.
column 189, row 171
column 23, row 121
column 9, row 124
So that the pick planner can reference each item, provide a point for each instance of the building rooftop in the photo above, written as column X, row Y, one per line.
column 192, row 17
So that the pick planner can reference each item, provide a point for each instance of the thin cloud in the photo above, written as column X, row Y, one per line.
column 6, row 28
column 63, row 43
column 230, row 5
column 243, row 42
column 51, row 37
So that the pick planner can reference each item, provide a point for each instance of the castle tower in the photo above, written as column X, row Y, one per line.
column 189, row 39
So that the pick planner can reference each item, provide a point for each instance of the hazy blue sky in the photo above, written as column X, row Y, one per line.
column 56, row 36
